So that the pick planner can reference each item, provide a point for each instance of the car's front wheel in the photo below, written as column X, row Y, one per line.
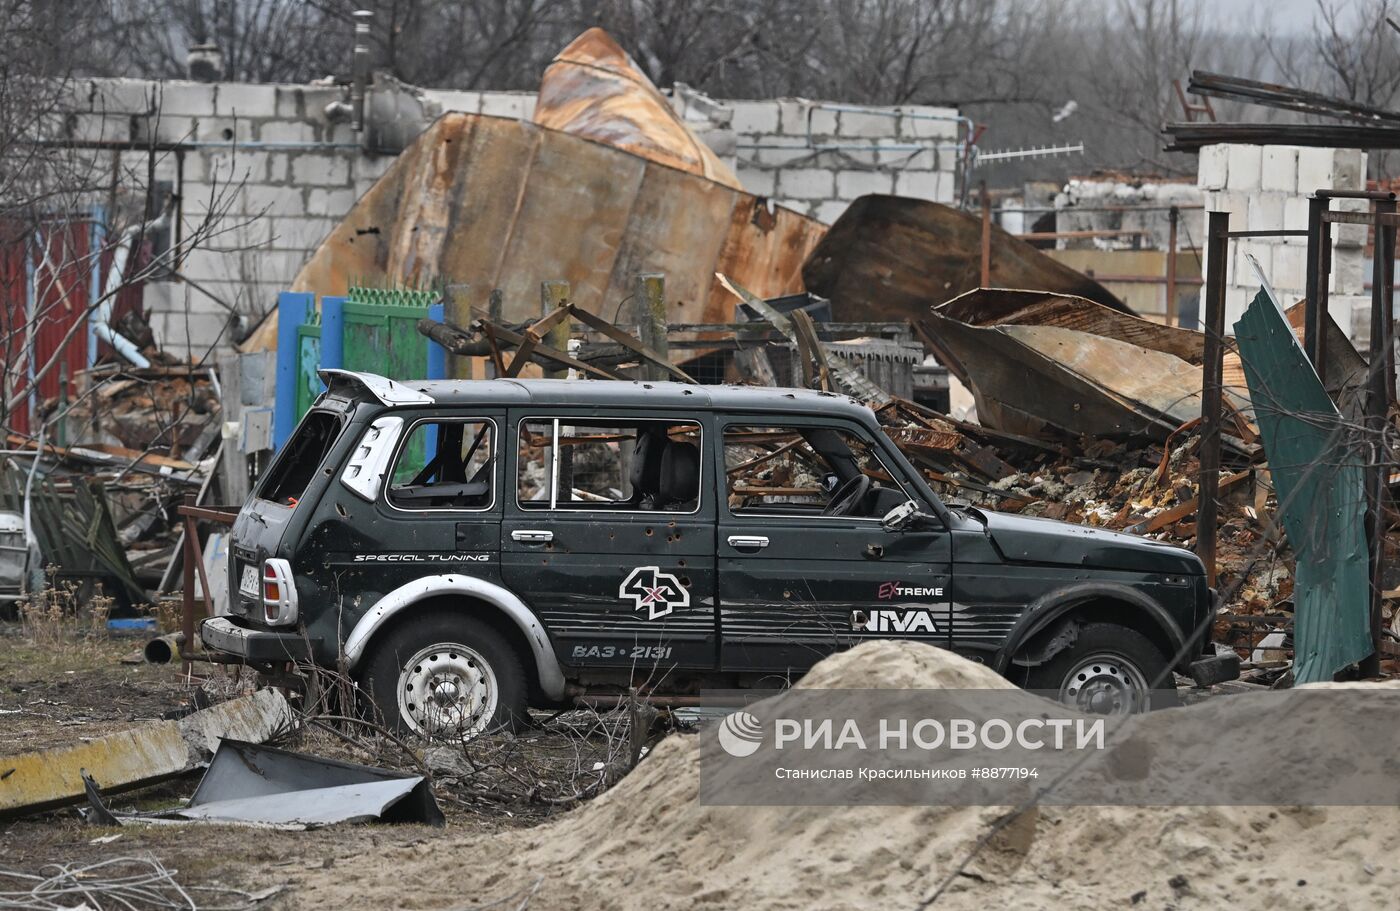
column 444, row 676
column 1109, row 670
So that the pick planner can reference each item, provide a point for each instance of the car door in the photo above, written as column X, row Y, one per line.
column 609, row 536
column 418, row 495
column 797, row 584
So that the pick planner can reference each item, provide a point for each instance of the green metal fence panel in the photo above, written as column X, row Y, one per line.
column 308, row 384
column 1316, row 466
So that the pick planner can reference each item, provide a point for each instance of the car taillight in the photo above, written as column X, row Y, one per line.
column 279, row 594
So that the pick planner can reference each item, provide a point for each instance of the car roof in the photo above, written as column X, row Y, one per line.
column 595, row 393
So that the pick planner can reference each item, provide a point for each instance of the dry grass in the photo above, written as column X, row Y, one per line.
column 58, row 618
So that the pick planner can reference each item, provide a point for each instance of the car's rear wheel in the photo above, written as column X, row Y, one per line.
column 1109, row 670
column 447, row 677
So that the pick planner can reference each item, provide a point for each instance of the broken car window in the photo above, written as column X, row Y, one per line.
column 444, row 465
column 303, row 454
column 788, row 470
column 641, row 465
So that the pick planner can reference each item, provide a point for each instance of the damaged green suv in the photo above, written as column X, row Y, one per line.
column 470, row 549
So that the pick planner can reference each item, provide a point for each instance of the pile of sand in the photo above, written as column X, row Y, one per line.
column 649, row 845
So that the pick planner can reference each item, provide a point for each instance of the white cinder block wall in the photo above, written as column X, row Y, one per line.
column 283, row 175
column 1267, row 188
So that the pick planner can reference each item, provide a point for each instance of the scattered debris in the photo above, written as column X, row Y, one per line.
column 158, row 750
column 258, row 785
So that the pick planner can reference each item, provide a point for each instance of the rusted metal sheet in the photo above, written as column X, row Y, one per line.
column 593, row 89
column 1040, row 364
column 1037, row 308
column 487, row 202
column 891, row 258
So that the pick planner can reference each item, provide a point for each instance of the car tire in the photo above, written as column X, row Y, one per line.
column 446, row 676
column 1108, row 670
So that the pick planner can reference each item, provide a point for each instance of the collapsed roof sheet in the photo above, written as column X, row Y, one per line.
column 489, row 202
column 594, row 90
column 1038, row 363
column 891, row 258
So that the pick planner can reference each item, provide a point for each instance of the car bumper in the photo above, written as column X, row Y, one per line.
column 223, row 634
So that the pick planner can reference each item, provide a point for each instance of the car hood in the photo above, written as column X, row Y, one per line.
column 1049, row 541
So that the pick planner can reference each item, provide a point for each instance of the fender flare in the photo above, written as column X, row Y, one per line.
column 551, row 674
column 1050, row 607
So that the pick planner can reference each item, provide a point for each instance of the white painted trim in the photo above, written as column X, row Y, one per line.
column 551, row 675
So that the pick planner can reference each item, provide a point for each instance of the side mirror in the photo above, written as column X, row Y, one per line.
column 904, row 516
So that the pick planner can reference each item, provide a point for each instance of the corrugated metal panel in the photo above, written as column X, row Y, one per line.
column 1317, row 473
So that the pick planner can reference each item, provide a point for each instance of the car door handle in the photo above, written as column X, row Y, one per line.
column 750, row 541
column 532, row 537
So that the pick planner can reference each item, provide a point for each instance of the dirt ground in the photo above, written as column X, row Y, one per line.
column 54, row 697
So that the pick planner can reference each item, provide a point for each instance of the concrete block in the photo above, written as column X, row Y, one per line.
column 96, row 127
column 1213, row 167
column 851, row 184
column 779, row 150
column 320, row 169
column 466, row 102
column 519, row 105
column 758, row 118
column 823, row 122
column 165, row 128
column 1245, row 166
column 759, row 181
column 290, row 103
column 189, row 99
column 1290, row 269
column 1244, row 272
column 1233, row 201
column 118, row 96
column 827, row 212
column 206, row 264
column 1349, row 169
column 1350, row 236
column 1314, row 170
column 223, row 129
column 873, row 125
column 245, row 99
column 334, row 203
column 918, row 184
column 806, row 183
column 1350, row 272
column 286, row 131
column 1279, row 168
column 792, row 117
column 299, row 234
column 262, row 199
column 944, row 129
column 277, row 266
column 1295, row 218
column 1265, row 211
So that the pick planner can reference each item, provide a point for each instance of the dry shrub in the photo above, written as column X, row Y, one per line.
column 59, row 618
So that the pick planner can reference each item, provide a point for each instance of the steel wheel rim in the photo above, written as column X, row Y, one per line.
column 447, row 690
column 1105, row 684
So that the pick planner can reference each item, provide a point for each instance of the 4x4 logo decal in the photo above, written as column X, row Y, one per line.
column 658, row 592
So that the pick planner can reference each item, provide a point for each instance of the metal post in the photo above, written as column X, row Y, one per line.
column 1217, row 250
column 1314, row 316
column 1173, row 310
column 187, row 605
column 552, row 296
column 650, row 305
column 986, row 237
column 1380, row 390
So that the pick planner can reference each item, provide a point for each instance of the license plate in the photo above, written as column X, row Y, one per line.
column 248, row 582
